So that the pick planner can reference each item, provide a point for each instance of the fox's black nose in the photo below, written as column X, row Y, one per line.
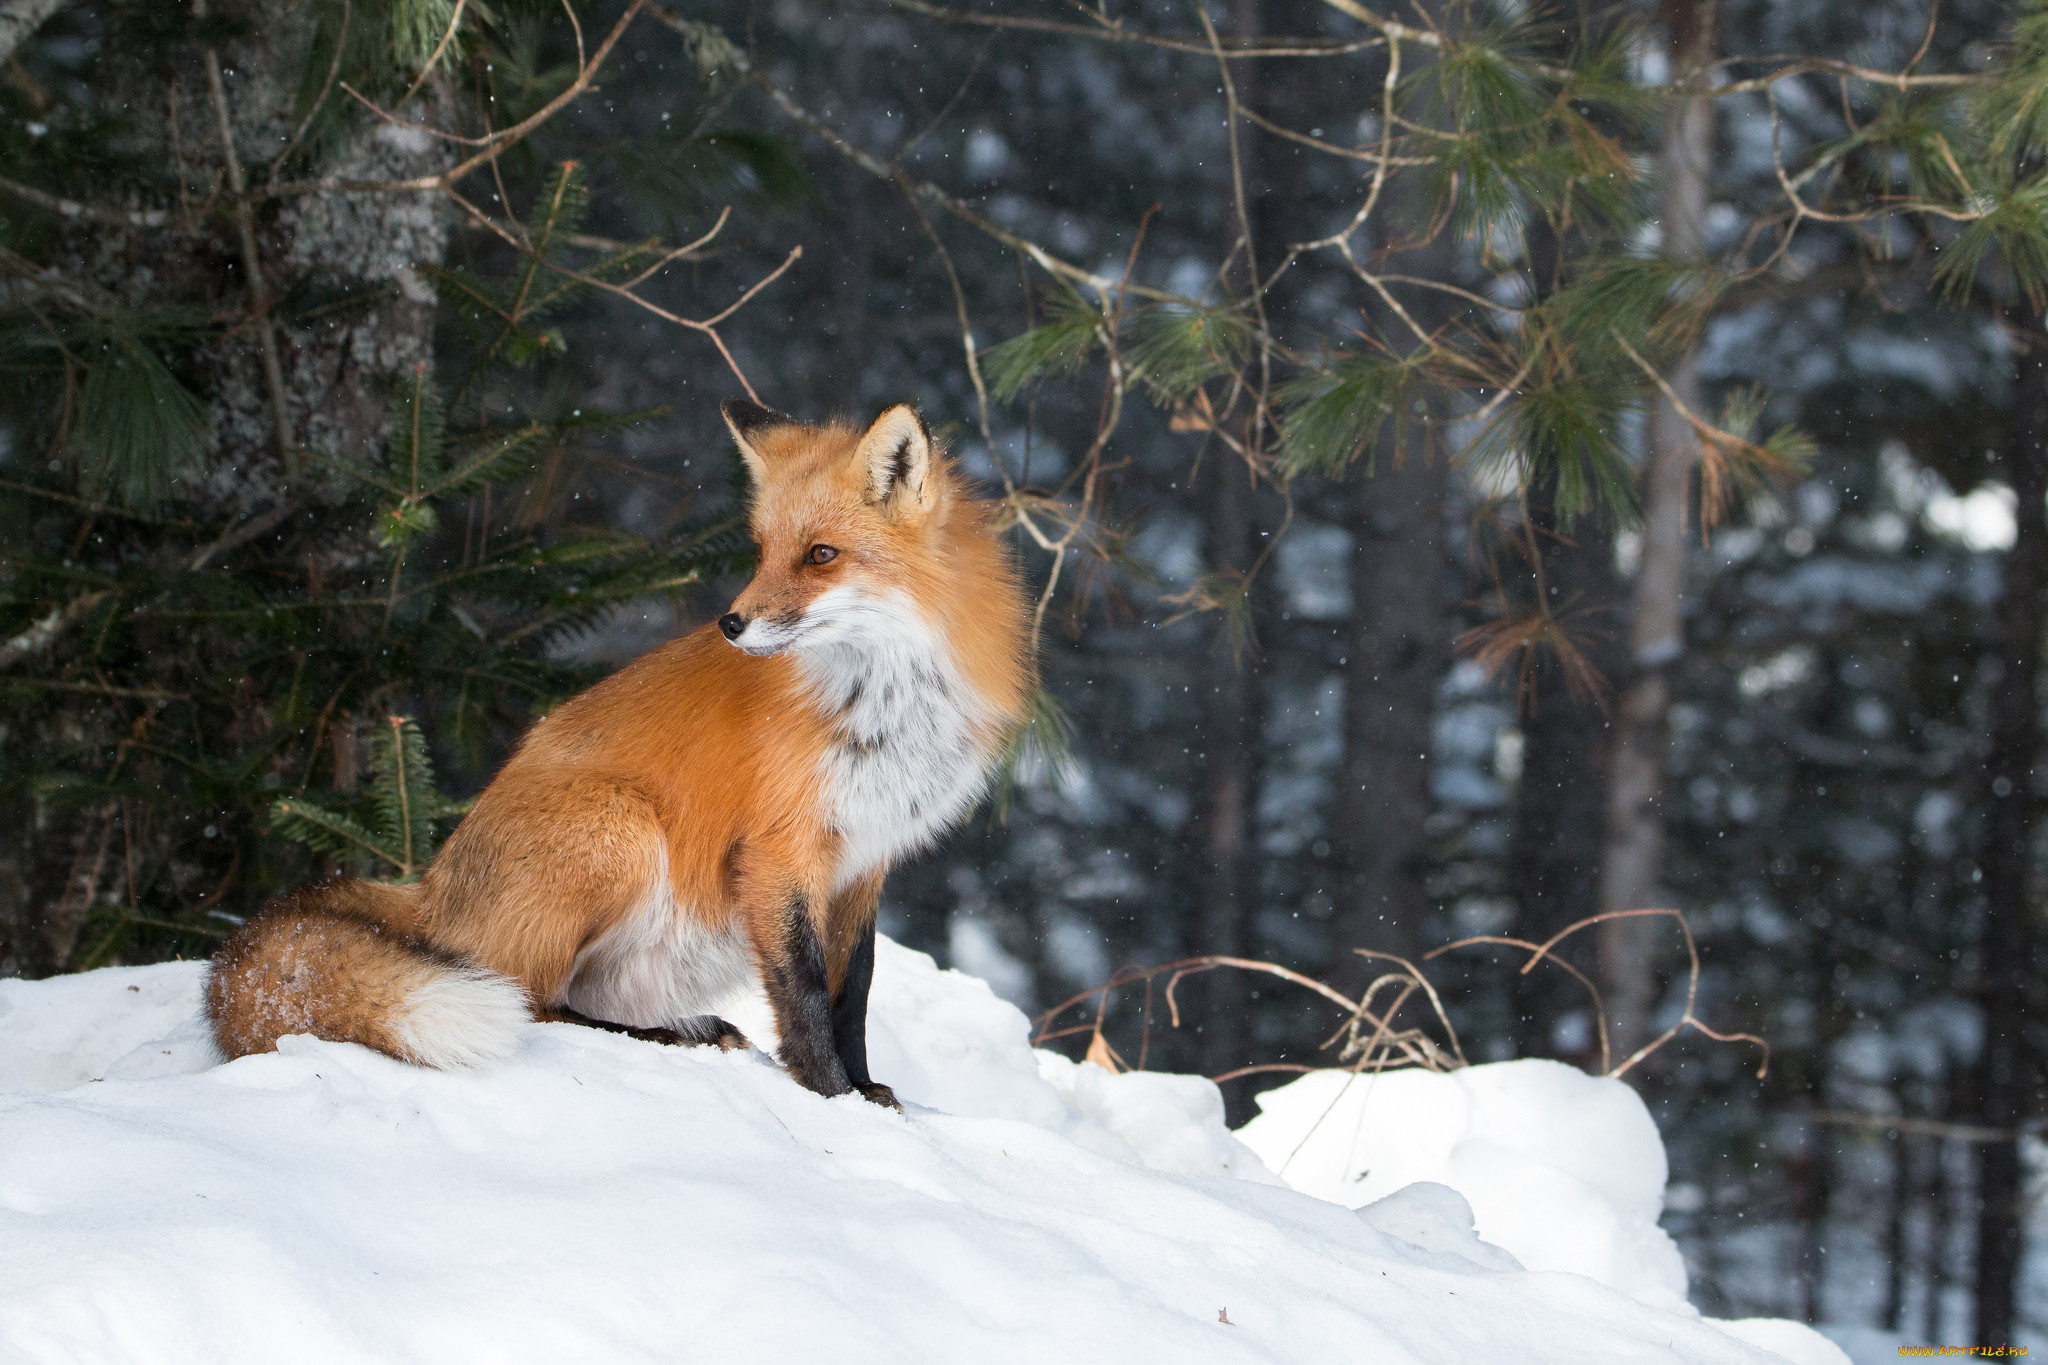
column 733, row 624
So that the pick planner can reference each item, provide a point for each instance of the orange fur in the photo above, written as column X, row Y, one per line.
column 692, row 782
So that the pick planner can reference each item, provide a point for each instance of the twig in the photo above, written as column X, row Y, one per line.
column 434, row 58
column 925, row 189
column 1962, row 1132
column 1692, row 988
column 707, row 326
column 45, row 632
column 966, row 327
column 1109, row 30
column 491, row 144
column 1371, row 1040
column 72, row 208
column 320, row 101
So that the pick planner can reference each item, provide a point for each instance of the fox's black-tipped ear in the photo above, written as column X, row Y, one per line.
column 896, row 459
column 748, row 421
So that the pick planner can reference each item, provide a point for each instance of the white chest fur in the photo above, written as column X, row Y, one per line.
column 910, row 751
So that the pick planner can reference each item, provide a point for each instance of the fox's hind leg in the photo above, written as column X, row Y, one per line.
column 699, row 1030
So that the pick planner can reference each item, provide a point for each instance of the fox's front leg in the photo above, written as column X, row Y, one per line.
column 850, row 1020
column 852, row 928
column 793, row 971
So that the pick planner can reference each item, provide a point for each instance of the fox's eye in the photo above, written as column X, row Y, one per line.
column 820, row 554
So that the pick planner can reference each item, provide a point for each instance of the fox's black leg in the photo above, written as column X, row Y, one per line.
column 795, row 978
column 850, row 1020
column 700, row 1030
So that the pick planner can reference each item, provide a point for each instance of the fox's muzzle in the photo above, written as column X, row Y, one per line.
column 760, row 635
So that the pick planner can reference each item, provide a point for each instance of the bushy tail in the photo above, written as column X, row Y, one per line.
column 334, row 961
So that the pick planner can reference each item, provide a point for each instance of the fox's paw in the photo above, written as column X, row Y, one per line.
column 877, row 1093
column 708, row 1030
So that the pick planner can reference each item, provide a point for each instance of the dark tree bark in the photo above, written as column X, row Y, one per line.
column 1554, row 860
column 278, row 384
column 1232, row 717
column 1899, row 1194
column 1396, row 653
column 1233, row 688
column 2008, row 1069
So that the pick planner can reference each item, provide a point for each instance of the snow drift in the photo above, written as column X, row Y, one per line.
column 596, row 1198
column 1563, row 1170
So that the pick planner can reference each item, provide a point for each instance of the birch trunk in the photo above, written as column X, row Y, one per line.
column 1632, row 860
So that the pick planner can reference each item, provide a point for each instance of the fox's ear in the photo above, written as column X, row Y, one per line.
column 895, row 459
column 748, row 422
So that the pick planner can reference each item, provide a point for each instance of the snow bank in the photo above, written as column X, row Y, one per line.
column 1549, row 1168
column 596, row 1198
column 1564, row 1171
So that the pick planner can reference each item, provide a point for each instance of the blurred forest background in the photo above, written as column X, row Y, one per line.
column 1487, row 465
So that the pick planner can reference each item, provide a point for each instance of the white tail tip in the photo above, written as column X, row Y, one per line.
column 462, row 1016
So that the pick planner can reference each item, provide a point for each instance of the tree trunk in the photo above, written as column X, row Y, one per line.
column 1396, row 658
column 335, row 371
column 1233, row 692
column 1554, row 861
column 1226, row 803
column 1633, row 856
column 329, row 388
column 2007, row 1068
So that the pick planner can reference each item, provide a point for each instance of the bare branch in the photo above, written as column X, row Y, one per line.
column 883, row 170
column 46, row 631
column 326, row 89
column 490, row 145
column 1109, row 30
column 434, row 57
column 71, row 208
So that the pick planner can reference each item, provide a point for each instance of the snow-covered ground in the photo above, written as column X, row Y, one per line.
column 596, row 1199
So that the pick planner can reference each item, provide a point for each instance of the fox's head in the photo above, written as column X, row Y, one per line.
column 846, row 523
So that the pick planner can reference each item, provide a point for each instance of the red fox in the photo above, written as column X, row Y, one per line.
column 726, row 804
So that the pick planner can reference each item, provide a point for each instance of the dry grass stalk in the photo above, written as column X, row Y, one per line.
column 1369, row 1039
